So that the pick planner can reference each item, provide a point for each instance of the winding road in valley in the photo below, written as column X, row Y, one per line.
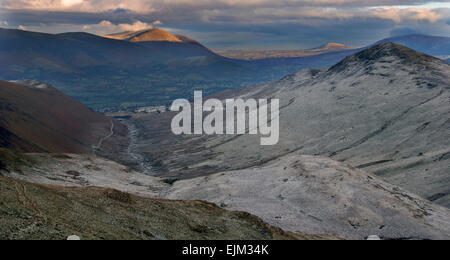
column 132, row 150
column 100, row 143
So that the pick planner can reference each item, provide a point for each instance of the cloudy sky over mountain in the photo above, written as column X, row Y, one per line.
column 232, row 24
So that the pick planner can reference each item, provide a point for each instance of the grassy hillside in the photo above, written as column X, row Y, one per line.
column 29, row 211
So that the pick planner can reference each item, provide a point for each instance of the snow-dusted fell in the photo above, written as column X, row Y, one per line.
column 385, row 110
column 313, row 195
column 318, row 195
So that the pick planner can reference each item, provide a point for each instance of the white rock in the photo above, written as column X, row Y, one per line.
column 373, row 238
column 73, row 237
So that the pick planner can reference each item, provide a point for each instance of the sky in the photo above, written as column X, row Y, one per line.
column 237, row 24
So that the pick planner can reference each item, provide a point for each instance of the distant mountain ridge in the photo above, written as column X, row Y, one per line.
column 115, row 74
column 108, row 74
column 150, row 35
column 74, row 62
column 268, row 54
column 332, row 46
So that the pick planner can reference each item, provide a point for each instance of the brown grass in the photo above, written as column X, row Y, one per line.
column 29, row 211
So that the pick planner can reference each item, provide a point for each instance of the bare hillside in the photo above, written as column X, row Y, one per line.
column 35, row 117
column 384, row 110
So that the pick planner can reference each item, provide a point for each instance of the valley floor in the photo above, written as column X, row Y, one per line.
column 299, row 194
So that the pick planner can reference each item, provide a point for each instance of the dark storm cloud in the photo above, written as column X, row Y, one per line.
column 147, row 5
column 28, row 17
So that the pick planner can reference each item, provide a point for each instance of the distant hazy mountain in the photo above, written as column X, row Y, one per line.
column 105, row 73
column 334, row 47
column 109, row 73
column 150, row 35
column 36, row 117
column 176, row 46
column 431, row 45
column 71, row 51
column 265, row 54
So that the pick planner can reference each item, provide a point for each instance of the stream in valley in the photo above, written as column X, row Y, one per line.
column 144, row 165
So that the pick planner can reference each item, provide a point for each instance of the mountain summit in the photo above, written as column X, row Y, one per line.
column 150, row 35
column 385, row 53
column 431, row 45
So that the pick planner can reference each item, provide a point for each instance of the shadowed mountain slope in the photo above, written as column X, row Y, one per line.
column 35, row 117
column 103, row 72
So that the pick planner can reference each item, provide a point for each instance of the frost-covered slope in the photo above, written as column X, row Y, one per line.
column 385, row 110
column 307, row 194
column 318, row 195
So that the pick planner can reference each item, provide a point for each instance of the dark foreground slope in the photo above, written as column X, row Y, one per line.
column 35, row 117
column 30, row 211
